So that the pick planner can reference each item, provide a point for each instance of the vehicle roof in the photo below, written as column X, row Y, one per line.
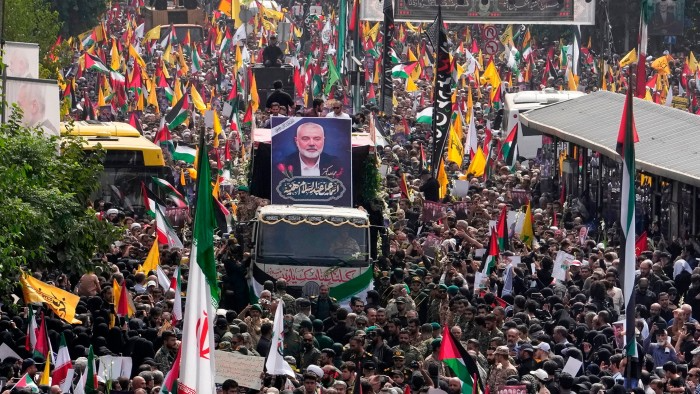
column 87, row 128
column 536, row 99
column 324, row 210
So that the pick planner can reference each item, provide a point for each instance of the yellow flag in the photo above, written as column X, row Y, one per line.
column 507, row 36
column 177, row 94
column 140, row 103
column 100, row 97
column 527, row 235
column 60, row 301
column 411, row 56
column 254, row 98
column 153, row 34
column 116, row 291
column 167, row 54
column 116, row 57
column 374, row 31
column 692, row 62
column 455, row 149
column 47, row 373
column 394, row 101
column 491, row 76
column 235, row 13
column 478, row 163
column 660, row 64
column 152, row 260
column 182, row 178
column 152, row 95
column 411, row 86
column 630, row 57
column 164, row 67
column 225, row 6
column 217, row 129
column 239, row 58
column 272, row 14
column 457, row 127
column 442, row 179
column 571, row 80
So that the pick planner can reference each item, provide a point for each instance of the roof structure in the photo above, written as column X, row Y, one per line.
column 669, row 139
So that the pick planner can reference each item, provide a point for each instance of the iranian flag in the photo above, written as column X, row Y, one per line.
column 170, row 383
column 63, row 371
column 502, row 229
column 197, row 367
column 178, row 114
column 91, row 372
column 26, row 381
column 184, row 153
column 32, row 329
column 176, row 287
column 425, row 116
column 94, row 63
column 472, row 135
column 166, row 233
column 453, row 354
column 510, row 146
column 626, row 138
column 491, row 255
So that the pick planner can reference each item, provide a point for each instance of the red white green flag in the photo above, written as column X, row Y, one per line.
column 453, row 354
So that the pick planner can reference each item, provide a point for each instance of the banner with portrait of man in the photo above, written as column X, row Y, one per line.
column 39, row 101
column 668, row 18
column 22, row 59
column 311, row 161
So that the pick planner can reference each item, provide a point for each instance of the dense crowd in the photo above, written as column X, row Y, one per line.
column 523, row 329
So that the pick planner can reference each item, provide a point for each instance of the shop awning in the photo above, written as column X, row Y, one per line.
column 669, row 138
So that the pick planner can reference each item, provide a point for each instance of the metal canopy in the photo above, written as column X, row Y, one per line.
column 669, row 139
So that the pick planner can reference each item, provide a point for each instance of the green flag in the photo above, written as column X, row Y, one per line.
column 205, row 224
column 333, row 75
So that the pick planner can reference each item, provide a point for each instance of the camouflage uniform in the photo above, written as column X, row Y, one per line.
column 290, row 307
column 410, row 353
column 434, row 310
column 469, row 331
column 293, row 344
column 485, row 338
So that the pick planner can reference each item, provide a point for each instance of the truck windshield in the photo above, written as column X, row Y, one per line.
column 312, row 245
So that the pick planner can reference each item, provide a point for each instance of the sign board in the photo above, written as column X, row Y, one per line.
column 22, row 59
column 39, row 99
column 112, row 368
column 680, row 102
column 245, row 370
column 311, row 161
column 574, row 12
column 667, row 19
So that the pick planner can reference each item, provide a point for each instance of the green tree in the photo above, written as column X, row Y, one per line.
column 45, row 191
column 31, row 21
column 78, row 16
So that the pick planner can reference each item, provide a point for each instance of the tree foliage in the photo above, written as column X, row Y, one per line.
column 45, row 188
column 78, row 16
column 31, row 21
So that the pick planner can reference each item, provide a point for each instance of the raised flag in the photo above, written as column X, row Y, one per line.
column 197, row 367
column 184, row 153
column 502, row 229
column 477, row 164
column 178, row 114
column 275, row 363
column 527, row 234
column 32, row 329
column 61, row 302
column 627, row 136
column 170, row 383
column 94, row 63
column 167, row 186
column 387, row 84
column 176, row 287
column 26, row 382
column 91, row 373
column 629, row 58
column 62, row 375
column 641, row 244
column 510, row 146
column 463, row 366
column 152, row 260
column 425, row 116
column 488, row 262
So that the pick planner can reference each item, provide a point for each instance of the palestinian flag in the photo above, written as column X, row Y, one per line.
column 170, row 383
column 425, row 116
column 164, row 138
column 226, row 42
column 179, row 113
column 89, row 39
column 403, row 70
column 169, row 188
column 26, row 381
column 453, row 354
column 185, row 153
column 502, row 230
column 510, row 146
column 626, row 139
column 94, row 63
column 150, row 200
column 488, row 262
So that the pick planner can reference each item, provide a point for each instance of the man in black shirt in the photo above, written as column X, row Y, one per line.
column 430, row 186
column 280, row 96
column 272, row 54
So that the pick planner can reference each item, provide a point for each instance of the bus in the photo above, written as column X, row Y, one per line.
column 310, row 246
column 129, row 159
column 529, row 141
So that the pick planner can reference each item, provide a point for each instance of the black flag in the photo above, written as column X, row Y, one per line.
column 442, row 109
column 387, row 105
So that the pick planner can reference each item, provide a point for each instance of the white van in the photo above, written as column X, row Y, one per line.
column 530, row 140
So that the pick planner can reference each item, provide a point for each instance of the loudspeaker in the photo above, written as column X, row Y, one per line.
column 160, row 5
column 191, row 4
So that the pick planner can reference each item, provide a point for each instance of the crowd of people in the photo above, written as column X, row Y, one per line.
column 525, row 331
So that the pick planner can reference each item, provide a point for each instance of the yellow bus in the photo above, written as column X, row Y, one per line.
column 130, row 159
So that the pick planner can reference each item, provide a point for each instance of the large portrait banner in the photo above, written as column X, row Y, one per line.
column 311, row 161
